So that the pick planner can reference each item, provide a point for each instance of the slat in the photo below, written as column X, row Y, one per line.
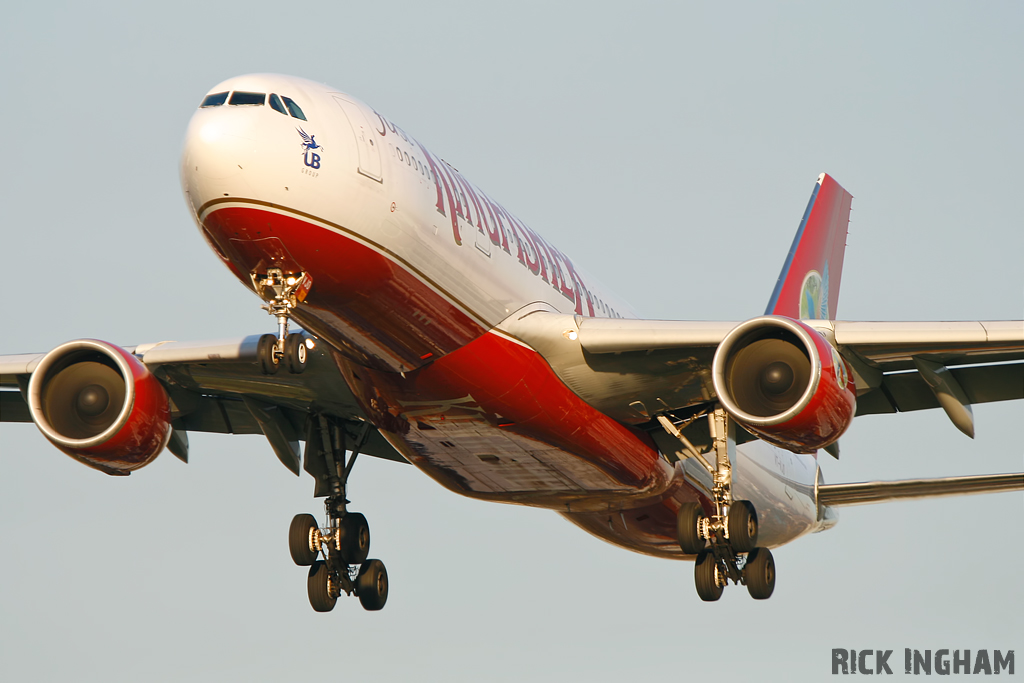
column 239, row 349
column 14, row 365
column 613, row 335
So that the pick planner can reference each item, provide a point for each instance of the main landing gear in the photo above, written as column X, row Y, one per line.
column 282, row 292
column 725, row 542
column 336, row 554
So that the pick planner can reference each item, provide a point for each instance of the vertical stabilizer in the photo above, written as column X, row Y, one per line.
column 808, row 286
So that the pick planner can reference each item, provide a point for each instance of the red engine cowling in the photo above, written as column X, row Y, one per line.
column 783, row 381
column 100, row 405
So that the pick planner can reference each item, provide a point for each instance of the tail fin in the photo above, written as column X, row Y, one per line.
column 808, row 285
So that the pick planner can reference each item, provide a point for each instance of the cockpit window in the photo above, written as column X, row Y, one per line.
column 215, row 100
column 239, row 97
column 275, row 104
column 294, row 108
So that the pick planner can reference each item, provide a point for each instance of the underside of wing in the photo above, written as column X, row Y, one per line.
column 906, row 366
column 214, row 386
column 636, row 369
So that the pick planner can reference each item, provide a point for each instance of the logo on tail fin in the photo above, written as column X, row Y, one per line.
column 814, row 296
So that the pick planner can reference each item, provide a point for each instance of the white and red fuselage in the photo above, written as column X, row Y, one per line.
column 412, row 270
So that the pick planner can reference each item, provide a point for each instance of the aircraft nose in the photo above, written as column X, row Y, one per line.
column 218, row 147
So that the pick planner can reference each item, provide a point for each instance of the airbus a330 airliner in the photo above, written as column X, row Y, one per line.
column 436, row 328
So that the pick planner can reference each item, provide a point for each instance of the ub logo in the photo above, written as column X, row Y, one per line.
column 309, row 143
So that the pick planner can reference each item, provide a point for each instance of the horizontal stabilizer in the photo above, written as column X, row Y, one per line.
column 868, row 492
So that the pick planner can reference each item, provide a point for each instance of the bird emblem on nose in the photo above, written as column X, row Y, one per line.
column 308, row 141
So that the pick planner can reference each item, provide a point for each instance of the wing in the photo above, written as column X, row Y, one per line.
column 218, row 387
column 901, row 367
column 635, row 369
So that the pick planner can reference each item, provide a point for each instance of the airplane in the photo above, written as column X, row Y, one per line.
column 419, row 321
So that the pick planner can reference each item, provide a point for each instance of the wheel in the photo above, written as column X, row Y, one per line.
column 689, row 518
column 300, row 540
column 295, row 353
column 265, row 352
column 318, row 585
column 759, row 573
column 355, row 538
column 372, row 585
column 705, row 576
column 742, row 526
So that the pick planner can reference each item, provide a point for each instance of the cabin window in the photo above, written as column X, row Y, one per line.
column 277, row 105
column 293, row 108
column 215, row 100
column 247, row 98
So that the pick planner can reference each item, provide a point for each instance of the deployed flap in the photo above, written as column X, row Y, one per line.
column 882, row 491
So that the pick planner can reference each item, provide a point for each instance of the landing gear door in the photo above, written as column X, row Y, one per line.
column 369, row 152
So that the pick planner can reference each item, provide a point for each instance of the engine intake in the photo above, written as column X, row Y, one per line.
column 781, row 380
column 100, row 405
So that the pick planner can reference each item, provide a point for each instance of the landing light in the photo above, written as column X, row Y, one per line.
column 310, row 344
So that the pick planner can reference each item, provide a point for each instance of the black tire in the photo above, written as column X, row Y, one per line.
column 372, row 585
column 705, row 579
column 318, row 588
column 299, row 537
column 687, row 521
column 265, row 352
column 355, row 538
column 759, row 573
column 742, row 526
column 295, row 353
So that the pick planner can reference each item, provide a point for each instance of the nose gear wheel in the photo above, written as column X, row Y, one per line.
column 283, row 292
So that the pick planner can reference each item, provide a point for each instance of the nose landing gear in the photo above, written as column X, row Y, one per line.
column 725, row 542
column 344, row 543
column 282, row 292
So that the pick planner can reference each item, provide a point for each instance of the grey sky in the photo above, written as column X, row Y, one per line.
column 669, row 148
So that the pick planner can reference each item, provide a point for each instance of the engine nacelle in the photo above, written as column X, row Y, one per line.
column 100, row 405
column 783, row 381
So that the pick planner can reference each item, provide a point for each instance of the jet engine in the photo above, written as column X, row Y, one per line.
column 100, row 405
column 781, row 380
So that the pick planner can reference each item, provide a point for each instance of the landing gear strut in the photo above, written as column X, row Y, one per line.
column 282, row 292
column 344, row 542
column 724, row 542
